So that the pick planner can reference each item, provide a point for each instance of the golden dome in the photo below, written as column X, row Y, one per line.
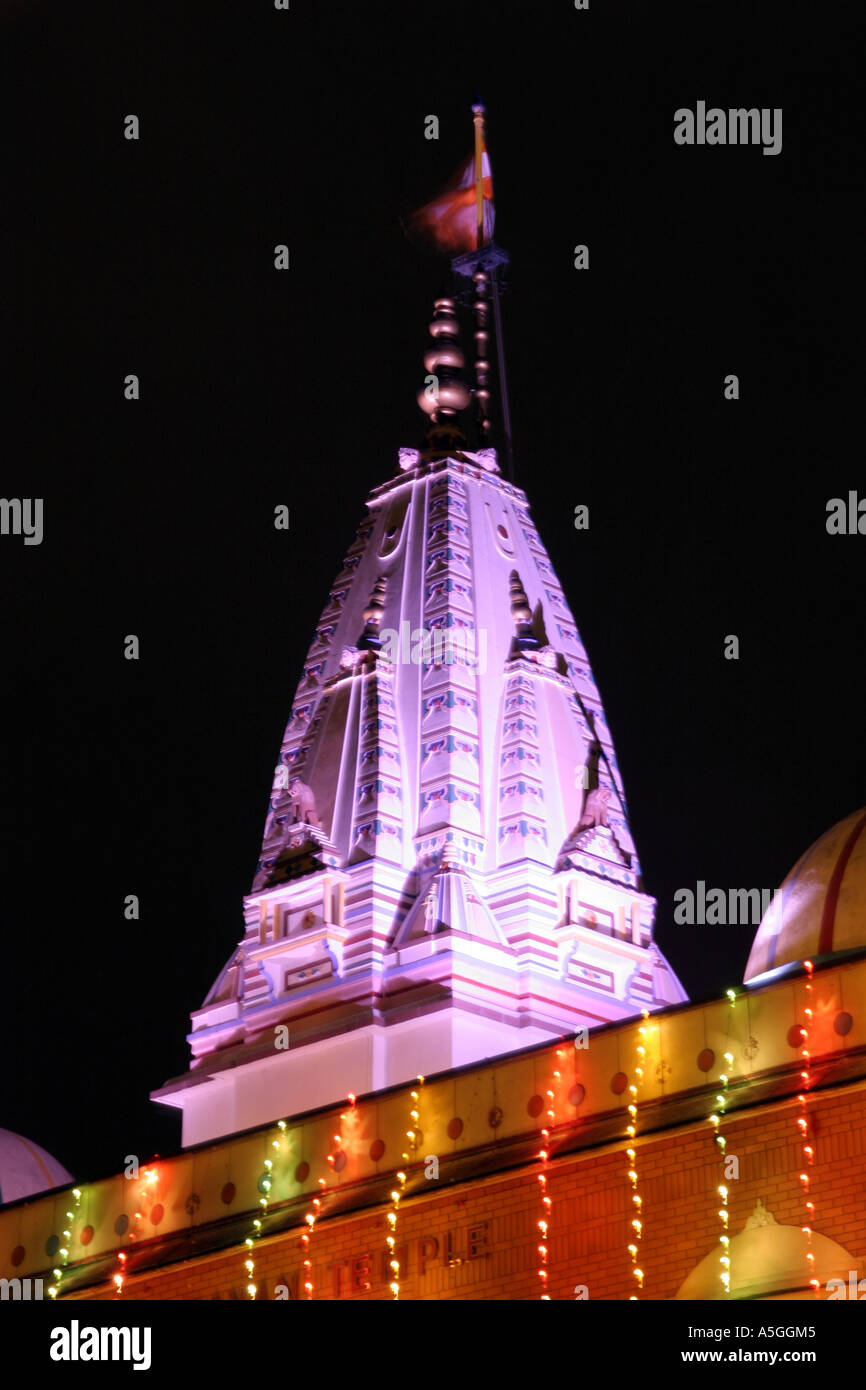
column 820, row 908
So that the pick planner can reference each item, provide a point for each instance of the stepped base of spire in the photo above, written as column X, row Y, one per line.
column 369, row 1050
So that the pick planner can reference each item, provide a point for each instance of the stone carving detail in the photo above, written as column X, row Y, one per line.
column 760, row 1217
column 303, row 803
column 595, row 810
column 430, row 911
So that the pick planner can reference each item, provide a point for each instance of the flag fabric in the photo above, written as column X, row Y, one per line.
column 449, row 222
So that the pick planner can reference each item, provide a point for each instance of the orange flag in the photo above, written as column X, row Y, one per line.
column 449, row 222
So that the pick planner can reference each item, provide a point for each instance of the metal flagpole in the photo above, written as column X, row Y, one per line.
column 478, row 115
column 503, row 382
column 480, row 266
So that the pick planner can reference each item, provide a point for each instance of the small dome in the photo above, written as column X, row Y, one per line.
column 821, row 906
column 768, row 1261
column 25, row 1168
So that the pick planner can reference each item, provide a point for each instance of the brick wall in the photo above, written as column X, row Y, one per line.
column 477, row 1240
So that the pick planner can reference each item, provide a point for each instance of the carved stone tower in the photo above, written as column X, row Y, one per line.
column 447, row 871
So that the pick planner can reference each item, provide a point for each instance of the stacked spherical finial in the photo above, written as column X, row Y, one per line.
column 444, row 393
column 521, row 615
column 520, row 610
column 373, row 613
column 482, row 365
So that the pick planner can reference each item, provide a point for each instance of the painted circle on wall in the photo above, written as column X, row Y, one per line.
column 494, row 1118
column 302, row 1172
column 796, row 1034
column 377, row 1148
column 455, row 1128
column 706, row 1058
column 576, row 1095
column 535, row 1106
column 157, row 1214
column 121, row 1225
column 52, row 1245
column 618, row 1083
column 228, row 1193
column 339, row 1162
column 18, row 1255
column 843, row 1023
column 86, row 1235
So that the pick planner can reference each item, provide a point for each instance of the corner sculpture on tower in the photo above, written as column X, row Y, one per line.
column 447, row 871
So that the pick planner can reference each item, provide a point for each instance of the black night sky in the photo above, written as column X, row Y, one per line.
column 707, row 516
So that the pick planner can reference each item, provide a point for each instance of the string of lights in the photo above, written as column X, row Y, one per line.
column 265, row 1184
column 543, row 1223
column 804, row 1132
column 310, row 1219
column 392, row 1216
column 716, row 1119
column 63, row 1252
column 631, row 1155
column 151, row 1177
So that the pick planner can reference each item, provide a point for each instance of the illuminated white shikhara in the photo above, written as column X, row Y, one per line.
column 442, row 906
